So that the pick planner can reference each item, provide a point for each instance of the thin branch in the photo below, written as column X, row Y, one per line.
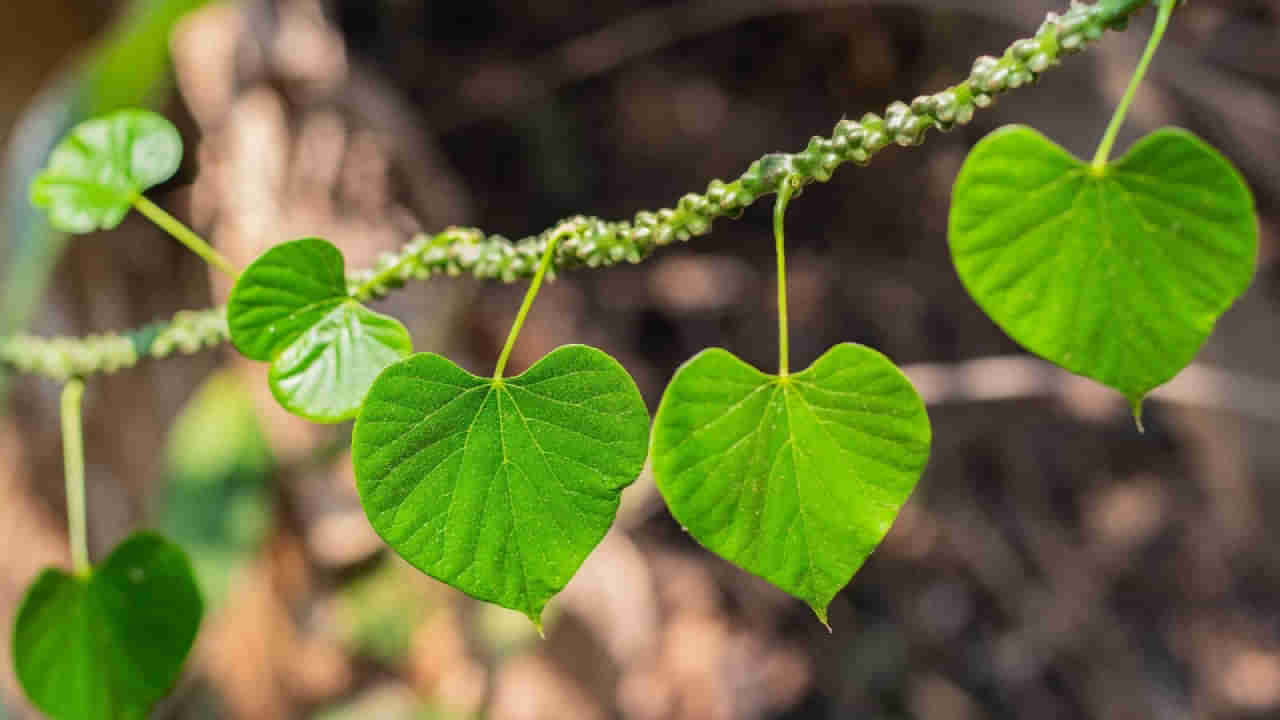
column 593, row 242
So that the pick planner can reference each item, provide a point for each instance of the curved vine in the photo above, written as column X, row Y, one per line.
column 593, row 242
column 501, row 486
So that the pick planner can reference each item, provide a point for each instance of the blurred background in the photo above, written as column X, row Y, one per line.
column 1053, row 562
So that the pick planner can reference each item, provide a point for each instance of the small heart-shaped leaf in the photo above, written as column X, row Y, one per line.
column 95, row 173
column 291, row 308
column 500, row 488
column 111, row 644
column 794, row 478
column 1118, row 275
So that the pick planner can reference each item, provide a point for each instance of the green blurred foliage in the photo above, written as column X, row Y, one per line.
column 131, row 67
column 378, row 611
column 217, row 503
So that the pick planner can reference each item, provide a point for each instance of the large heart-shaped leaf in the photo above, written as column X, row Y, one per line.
column 111, row 644
column 794, row 478
column 500, row 487
column 95, row 173
column 1118, row 275
column 291, row 308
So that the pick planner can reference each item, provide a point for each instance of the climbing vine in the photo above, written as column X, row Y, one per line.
column 502, row 485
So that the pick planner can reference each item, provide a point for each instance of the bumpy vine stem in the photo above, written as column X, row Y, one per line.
column 60, row 358
column 592, row 242
column 1115, row 13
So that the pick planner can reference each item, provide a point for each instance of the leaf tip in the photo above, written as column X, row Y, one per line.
column 821, row 612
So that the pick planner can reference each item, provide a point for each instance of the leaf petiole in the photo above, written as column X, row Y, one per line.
column 1100, row 159
column 785, row 191
column 184, row 235
column 73, row 468
column 530, row 294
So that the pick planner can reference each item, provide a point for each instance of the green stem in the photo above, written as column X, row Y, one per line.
column 785, row 191
column 529, row 295
column 184, row 235
column 73, row 462
column 1117, row 120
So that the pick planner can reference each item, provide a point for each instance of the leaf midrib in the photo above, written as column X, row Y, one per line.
column 787, row 391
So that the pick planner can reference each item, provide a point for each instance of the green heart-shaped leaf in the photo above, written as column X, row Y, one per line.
column 797, row 478
column 111, row 644
column 500, row 488
column 291, row 308
column 1119, row 275
column 95, row 173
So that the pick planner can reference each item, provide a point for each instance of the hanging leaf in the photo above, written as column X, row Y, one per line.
column 1118, row 276
column 500, row 488
column 797, row 478
column 108, row 646
column 95, row 173
column 291, row 308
